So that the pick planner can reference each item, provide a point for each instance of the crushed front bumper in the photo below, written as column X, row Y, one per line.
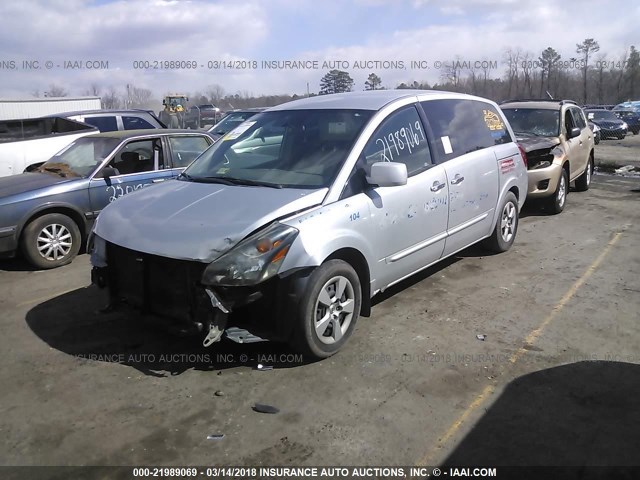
column 170, row 291
column 543, row 181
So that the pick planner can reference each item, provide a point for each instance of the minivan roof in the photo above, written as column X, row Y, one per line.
column 365, row 100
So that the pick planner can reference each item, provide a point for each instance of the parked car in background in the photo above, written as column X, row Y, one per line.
column 559, row 147
column 631, row 105
column 610, row 125
column 28, row 143
column 48, row 213
column 631, row 118
column 362, row 190
column 200, row 115
column 231, row 120
column 112, row 120
column 596, row 132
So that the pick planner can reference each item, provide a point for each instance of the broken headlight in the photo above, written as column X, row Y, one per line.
column 254, row 260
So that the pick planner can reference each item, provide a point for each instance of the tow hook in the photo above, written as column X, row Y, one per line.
column 215, row 302
column 215, row 332
column 218, row 323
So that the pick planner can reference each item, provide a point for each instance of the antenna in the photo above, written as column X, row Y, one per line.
column 548, row 94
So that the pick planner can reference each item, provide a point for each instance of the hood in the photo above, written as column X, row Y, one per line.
column 196, row 221
column 531, row 142
column 608, row 123
column 28, row 182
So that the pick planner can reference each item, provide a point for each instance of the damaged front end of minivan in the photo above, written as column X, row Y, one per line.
column 241, row 288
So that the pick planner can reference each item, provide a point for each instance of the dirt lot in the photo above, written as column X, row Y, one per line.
column 555, row 381
column 611, row 154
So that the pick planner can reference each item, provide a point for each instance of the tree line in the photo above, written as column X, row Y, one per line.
column 589, row 77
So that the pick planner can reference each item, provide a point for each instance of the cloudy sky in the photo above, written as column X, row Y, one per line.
column 125, row 32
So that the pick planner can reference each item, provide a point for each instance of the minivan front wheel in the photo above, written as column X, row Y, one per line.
column 328, row 310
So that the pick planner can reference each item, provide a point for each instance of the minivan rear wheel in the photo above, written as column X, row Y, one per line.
column 328, row 310
column 506, row 227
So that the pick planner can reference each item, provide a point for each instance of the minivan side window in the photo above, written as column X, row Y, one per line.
column 464, row 126
column 400, row 138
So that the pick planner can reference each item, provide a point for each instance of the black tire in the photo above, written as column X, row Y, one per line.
column 55, row 253
column 620, row 137
column 584, row 181
column 305, row 338
column 506, row 228
column 556, row 203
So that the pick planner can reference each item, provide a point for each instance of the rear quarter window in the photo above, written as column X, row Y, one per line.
column 104, row 124
column 463, row 126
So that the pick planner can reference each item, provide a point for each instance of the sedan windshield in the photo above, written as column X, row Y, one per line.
column 81, row 157
column 534, row 121
column 601, row 115
column 289, row 148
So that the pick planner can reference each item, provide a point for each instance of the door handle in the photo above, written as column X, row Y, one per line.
column 457, row 179
column 437, row 186
column 157, row 180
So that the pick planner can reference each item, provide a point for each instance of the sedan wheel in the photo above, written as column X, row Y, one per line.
column 51, row 240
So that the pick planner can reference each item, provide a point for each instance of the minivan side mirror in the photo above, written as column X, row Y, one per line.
column 388, row 174
column 573, row 133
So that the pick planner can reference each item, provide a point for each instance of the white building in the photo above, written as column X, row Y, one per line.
column 39, row 107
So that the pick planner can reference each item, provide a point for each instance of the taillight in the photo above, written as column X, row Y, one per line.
column 524, row 156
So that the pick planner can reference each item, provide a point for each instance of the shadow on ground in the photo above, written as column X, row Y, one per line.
column 580, row 415
column 73, row 324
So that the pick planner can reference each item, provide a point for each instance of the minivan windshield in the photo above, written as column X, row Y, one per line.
column 540, row 122
column 81, row 157
column 282, row 149
column 601, row 115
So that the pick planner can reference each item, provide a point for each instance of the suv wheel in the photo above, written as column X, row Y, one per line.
column 51, row 241
column 506, row 227
column 328, row 310
column 584, row 180
column 555, row 204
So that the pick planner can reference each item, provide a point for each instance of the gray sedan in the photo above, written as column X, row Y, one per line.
column 49, row 212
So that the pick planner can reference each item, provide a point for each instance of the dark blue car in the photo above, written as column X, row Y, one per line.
column 49, row 212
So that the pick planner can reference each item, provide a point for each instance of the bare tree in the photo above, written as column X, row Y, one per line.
column 215, row 93
column 140, row 97
column 586, row 48
column 111, row 99
column 56, row 91
column 94, row 90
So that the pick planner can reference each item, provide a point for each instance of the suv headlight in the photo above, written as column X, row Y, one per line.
column 254, row 260
column 624, row 125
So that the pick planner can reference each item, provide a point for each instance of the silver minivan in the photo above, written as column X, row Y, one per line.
column 290, row 223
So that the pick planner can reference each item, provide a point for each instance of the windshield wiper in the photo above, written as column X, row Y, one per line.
column 234, row 181
column 186, row 176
